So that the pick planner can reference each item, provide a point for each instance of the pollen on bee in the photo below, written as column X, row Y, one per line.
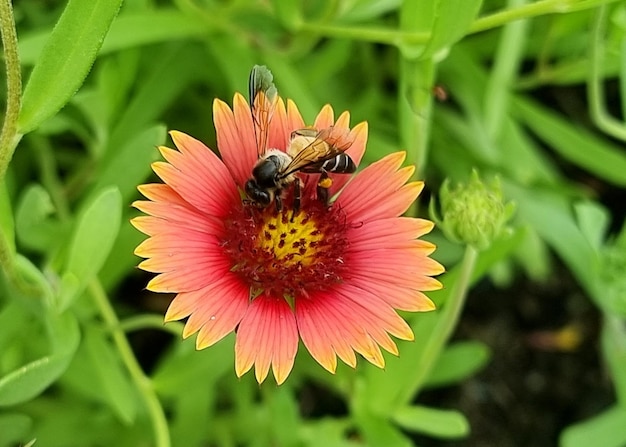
column 325, row 183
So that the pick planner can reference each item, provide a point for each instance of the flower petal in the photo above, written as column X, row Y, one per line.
column 235, row 137
column 380, row 190
column 267, row 335
column 325, row 118
column 197, row 175
column 215, row 309
column 294, row 118
column 394, row 232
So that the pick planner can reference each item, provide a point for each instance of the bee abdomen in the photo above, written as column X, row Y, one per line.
column 341, row 163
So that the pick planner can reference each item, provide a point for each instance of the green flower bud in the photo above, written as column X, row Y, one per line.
column 474, row 213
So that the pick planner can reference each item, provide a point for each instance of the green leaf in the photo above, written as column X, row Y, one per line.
column 457, row 362
column 593, row 221
column 14, row 428
column 550, row 214
column 574, row 143
column 288, row 12
column 93, row 238
column 66, row 59
column 31, row 379
column 613, row 340
column 7, row 226
column 129, row 30
column 285, row 417
column 166, row 76
column 131, row 163
column 451, row 20
column 364, row 10
column 449, row 424
column 114, row 383
column 326, row 432
column 606, row 429
column 35, row 229
column 378, row 431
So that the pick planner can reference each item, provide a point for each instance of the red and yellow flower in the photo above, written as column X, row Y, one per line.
column 332, row 276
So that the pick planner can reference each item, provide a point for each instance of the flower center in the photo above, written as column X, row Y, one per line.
column 285, row 254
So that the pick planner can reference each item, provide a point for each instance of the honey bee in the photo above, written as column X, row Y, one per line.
column 309, row 151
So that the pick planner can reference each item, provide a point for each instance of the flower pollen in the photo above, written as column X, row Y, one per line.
column 289, row 255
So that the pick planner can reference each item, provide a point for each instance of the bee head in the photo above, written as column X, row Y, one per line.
column 261, row 197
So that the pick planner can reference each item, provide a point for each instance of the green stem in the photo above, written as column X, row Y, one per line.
column 415, row 95
column 9, row 136
column 448, row 320
column 150, row 321
column 142, row 382
column 508, row 55
column 595, row 88
column 49, row 177
column 407, row 38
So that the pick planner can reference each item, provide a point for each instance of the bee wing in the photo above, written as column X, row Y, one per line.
column 328, row 143
column 263, row 97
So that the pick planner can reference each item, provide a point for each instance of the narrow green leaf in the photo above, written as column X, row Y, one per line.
column 131, row 163
column 457, row 362
column 66, row 59
column 166, row 76
column 449, row 424
column 550, row 214
column 31, row 379
column 93, row 238
column 129, row 30
column 606, row 429
column 577, row 145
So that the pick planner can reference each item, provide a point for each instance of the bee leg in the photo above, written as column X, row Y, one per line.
column 297, row 194
column 279, row 203
column 323, row 184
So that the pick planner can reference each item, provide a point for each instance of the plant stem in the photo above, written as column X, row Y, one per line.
column 448, row 320
column 595, row 89
column 407, row 38
column 508, row 56
column 9, row 136
column 142, row 382
column 150, row 321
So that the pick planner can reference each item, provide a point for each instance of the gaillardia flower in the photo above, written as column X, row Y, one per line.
column 333, row 275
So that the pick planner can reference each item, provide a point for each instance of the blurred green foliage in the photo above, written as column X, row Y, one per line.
column 456, row 83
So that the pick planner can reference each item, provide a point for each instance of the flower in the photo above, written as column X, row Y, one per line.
column 330, row 275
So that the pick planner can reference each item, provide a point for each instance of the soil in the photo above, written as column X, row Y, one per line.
column 535, row 385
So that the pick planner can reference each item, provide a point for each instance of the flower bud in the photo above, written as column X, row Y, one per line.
column 473, row 213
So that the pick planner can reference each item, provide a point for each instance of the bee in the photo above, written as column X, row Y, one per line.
column 309, row 151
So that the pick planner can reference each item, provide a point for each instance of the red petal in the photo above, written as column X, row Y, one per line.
column 235, row 137
column 267, row 336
